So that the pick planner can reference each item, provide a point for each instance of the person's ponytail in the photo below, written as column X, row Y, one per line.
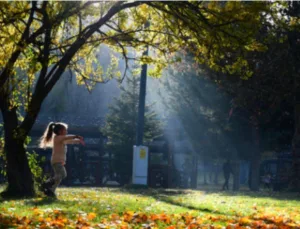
column 46, row 139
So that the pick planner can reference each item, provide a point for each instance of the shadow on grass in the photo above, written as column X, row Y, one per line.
column 215, row 189
column 167, row 196
column 190, row 207
column 4, row 198
column 42, row 201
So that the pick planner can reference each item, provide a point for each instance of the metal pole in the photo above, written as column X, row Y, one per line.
column 142, row 98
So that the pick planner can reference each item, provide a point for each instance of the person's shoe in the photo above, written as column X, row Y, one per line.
column 47, row 185
column 46, row 189
column 49, row 193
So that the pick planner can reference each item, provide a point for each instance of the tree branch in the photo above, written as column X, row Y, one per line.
column 20, row 46
column 46, row 52
column 123, row 53
column 82, row 38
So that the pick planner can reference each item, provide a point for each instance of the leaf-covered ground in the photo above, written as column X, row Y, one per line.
column 140, row 208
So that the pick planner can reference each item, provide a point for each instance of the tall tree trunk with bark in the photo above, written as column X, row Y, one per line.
column 194, row 175
column 204, row 173
column 236, row 175
column 255, row 160
column 216, row 174
column 19, row 176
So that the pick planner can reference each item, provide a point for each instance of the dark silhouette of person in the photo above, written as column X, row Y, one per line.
column 226, row 170
column 267, row 180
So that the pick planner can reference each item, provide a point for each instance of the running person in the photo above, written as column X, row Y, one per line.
column 56, row 137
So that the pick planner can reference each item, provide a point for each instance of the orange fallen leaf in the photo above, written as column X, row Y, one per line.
column 171, row 227
column 91, row 216
column 56, row 211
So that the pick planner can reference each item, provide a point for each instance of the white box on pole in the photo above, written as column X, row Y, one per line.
column 140, row 165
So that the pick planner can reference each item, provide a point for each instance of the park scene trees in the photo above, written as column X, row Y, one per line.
column 195, row 84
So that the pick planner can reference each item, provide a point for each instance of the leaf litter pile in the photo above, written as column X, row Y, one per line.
column 116, row 208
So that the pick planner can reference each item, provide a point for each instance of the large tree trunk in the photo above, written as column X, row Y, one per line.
column 216, row 172
column 194, row 175
column 255, row 160
column 19, row 176
column 294, row 52
column 236, row 175
column 254, row 174
column 204, row 173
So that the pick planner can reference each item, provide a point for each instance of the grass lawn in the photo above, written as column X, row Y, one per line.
column 149, row 208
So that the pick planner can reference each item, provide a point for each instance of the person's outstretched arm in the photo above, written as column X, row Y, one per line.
column 70, row 139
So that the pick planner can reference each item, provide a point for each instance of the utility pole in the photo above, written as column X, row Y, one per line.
column 140, row 152
column 142, row 98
